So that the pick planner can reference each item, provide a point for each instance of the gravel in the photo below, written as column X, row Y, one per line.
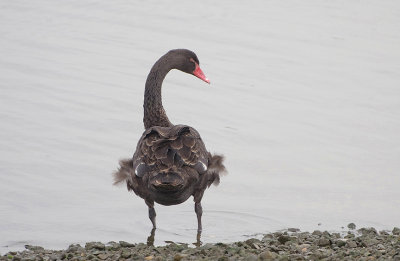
column 290, row 244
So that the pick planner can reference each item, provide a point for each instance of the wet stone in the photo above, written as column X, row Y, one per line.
column 125, row 244
column 340, row 243
column 396, row 231
column 351, row 226
column 95, row 245
column 283, row 239
column 74, row 248
column 34, row 248
column 267, row 255
column 317, row 233
column 322, row 242
column 367, row 231
column 351, row 244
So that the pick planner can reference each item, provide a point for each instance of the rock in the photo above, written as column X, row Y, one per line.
column 74, row 248
column 103, row 256
column 380, row 246
column 251, row 257
column 293, row 229
column 317, row 233
column 396, row 231
column 125, row 244
column 267, row 255
column 351, row 226
column 95, row 245
column 283, row 239
column 178, row 257
column 34, row 248
column 367, row 231
column 126, row 254
column 112, row 246
column 322, row 242
column 340, row 243
column 351, row 244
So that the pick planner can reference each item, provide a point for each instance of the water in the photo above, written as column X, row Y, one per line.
column 304, row 102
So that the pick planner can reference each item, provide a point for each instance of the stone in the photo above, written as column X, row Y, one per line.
column 351, row 226
column 34, row 248
column 322, row 242
column 126, row 254
column 283, row 239
column 351, row 244
column 396, row 231
column 103, row 256
column 293, row 229
column 74, row 248
column 340, row 243
column 267, row 255
column 95, row 245
column 317, row 233
column 125, row 244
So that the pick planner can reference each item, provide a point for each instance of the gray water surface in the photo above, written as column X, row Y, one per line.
column 304, row 102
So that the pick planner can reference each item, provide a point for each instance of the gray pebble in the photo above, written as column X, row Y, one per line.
column 351, row 226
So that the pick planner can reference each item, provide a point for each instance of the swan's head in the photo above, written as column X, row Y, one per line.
column 187, row 61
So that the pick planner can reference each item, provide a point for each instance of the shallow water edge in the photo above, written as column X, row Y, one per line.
column 288, row 244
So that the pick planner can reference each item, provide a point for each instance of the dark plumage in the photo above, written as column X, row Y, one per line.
column 171, row 162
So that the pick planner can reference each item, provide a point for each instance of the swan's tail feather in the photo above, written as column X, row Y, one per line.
column 124, row 171
column 215, row 169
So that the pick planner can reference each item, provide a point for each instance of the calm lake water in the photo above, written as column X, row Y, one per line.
column 304, row 102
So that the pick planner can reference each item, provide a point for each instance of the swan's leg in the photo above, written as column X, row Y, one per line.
column 199, row 211
column 152, row 212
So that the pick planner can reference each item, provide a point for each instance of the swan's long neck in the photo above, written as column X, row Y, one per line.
column 154, row 113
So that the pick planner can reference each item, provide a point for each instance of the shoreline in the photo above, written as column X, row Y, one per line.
column 288, row 244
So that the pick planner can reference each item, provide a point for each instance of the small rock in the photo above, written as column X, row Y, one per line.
column 351, row 244
column 113, row 246
column 251, row 257
column 103, row 256
column 317, row 233
column 351, row 226
column 380, row 246
column 125, row 244
column 293, row 229
column 74, row 248
column 126, row 254
column 396, row 231
column 340, row 243
column 367, row 231
column 178, row 257
column 34, row 248
column 267, row 255
column 95, row 245
column 323, row 242
column 283, row 239
column 253, row 243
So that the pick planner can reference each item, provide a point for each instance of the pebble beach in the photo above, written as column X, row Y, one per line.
column 288, row 244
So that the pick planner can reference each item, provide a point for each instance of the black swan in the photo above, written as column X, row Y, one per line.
column 171, row 162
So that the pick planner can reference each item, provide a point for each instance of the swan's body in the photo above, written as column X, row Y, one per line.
column 171, row 162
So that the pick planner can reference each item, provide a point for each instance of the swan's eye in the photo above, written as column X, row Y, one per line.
column 193, row 61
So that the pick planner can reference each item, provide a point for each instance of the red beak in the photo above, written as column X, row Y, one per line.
column 199, row 74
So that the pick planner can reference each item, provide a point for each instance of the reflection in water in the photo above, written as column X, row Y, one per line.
column 151, row 238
